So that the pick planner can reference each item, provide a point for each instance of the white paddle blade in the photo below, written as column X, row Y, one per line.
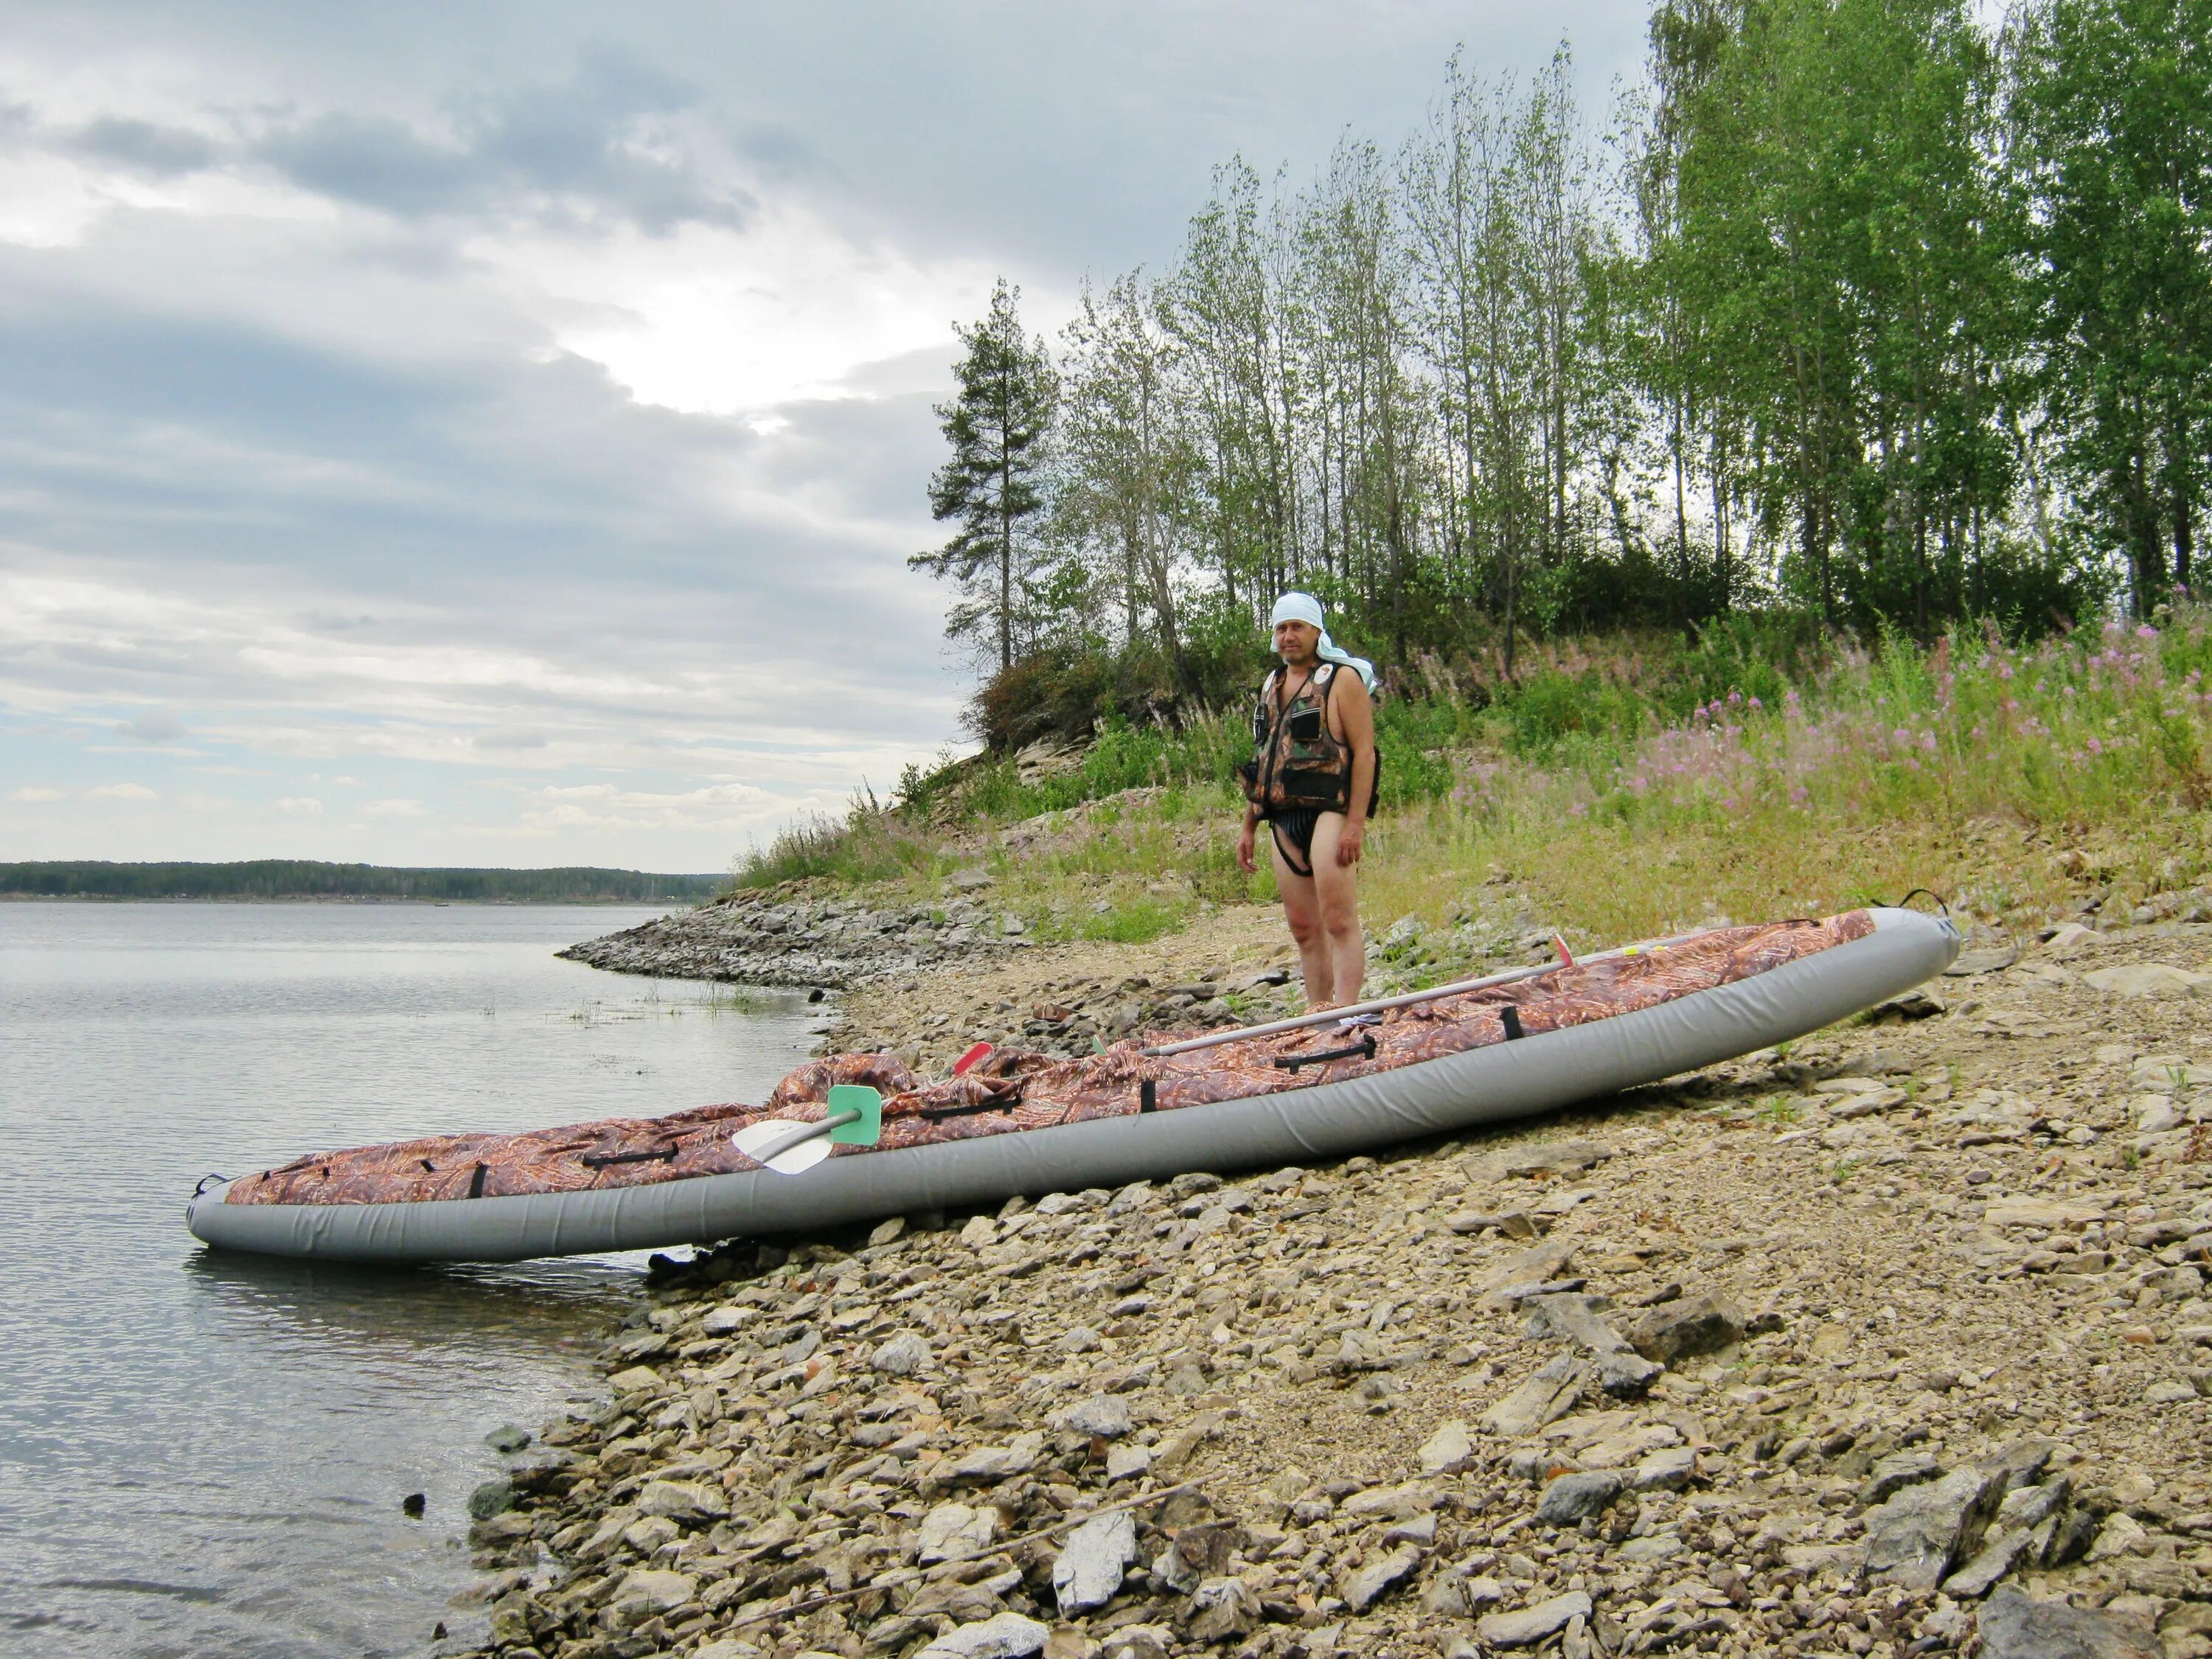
column 795, row 1160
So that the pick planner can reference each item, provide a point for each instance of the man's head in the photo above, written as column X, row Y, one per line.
column 1297, row 626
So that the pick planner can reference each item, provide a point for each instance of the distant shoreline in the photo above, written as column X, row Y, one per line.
column 599, row 902
column 261, row 881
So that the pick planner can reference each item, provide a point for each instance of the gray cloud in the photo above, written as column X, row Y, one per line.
column 147, row 147
column 579, row 153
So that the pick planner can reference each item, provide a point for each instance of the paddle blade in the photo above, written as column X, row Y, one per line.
column 868, row 1128
column 969, row 1061
column 793, row 1160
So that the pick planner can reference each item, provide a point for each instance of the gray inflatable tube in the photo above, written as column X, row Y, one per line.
column 1492, row 1084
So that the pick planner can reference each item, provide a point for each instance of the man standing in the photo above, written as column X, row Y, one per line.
column 1311, row 780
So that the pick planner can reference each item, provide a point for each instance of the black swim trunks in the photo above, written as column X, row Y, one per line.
column 1294, row 832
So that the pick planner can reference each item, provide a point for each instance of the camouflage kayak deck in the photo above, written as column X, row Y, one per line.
column 1014, row 1091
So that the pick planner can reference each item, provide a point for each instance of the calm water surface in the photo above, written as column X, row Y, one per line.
column 204, row 1454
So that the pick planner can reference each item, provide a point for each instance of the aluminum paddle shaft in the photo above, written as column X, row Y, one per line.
column 1327, row 1016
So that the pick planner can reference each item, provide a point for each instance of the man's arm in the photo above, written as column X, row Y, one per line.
column 1358, row 733
column 1247, row 839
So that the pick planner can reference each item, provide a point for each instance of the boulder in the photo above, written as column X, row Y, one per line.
column 2015, row 1626
column 1915, row 1539
column 1448, row 1450
column 1221, row 1608
column 903, row 1356
column 1548, row 1395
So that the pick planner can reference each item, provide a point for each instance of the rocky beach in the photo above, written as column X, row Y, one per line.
column 1895, row 1342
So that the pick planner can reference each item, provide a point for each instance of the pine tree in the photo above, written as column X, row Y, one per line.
column 993, row 487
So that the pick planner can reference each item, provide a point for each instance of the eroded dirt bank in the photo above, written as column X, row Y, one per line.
column 1805, row 1354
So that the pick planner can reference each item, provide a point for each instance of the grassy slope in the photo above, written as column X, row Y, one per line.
column 1626, row 792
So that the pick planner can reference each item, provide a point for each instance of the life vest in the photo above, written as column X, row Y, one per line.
column 1297, row 764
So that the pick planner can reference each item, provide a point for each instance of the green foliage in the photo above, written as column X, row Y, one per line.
column 870, row 843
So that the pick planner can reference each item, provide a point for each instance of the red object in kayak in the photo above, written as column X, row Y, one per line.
column 969, row 1061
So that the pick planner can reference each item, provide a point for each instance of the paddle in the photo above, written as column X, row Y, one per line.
column 855, row 1118
column 1331, row 1016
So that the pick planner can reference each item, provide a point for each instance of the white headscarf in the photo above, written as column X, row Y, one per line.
column 1303, row 607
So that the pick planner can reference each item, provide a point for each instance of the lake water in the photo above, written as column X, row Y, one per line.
column 202, row 1454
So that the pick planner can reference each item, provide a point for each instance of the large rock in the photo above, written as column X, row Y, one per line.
column 1090, row 1568
column 2015, row 1626
column 1692, row 1325
column 1916, row 1537
column 1003, row 1636
column 1363, row 1586
column 1526, row 1626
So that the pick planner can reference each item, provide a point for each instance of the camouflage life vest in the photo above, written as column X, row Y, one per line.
column 1297, row 764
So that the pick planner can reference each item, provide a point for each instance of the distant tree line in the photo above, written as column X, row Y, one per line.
column 295, row 879
column 1860, row 311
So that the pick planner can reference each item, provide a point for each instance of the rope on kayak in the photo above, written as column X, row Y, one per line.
column 204, row 1180
column 1931, row 893
column 476, row 1181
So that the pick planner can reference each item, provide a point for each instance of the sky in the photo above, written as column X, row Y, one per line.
column 495, row 435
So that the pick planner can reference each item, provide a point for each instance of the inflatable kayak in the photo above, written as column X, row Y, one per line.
column 1148, row 1108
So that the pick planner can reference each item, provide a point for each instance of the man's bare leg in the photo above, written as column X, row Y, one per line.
column 1336, row 893
column 1302, row 908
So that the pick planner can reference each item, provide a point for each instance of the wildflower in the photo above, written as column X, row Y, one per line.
column 2146, row 632
column 1755, row 704
column 1928, row 741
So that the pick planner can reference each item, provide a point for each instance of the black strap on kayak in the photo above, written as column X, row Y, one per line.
column 204, row 1180
column 932, row 1114
column 1365, row 1047
column 1148, row 1099
column 476, row 1181
column 601, row 1160
column 428, row 1168
column 1509, row 1017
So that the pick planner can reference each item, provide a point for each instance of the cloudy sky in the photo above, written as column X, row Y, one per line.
column 493, row 433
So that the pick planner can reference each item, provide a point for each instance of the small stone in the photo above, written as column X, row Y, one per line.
column 1694, row 1325
column 1626, row 1376
column 2013, row 1625
column 1220, row 1609
column 1003, row 1636
column 1106, row 1415
column 1448, row 1450
column 1079, row 1340
column 1140, row 1641
column 2169, row 1394
column 1548, row 1395
column 1363, row 1586
column 2122, row 1534
column 886, row 1231
column 1998, row 1557
column 662, row 1588
column 1127, row 1463
column 508, row 1439
column 979, row 1231
column 1893, row 1473
column 1669, row 1470
column 493, row 1497
column 1530, row 1626
column 683, row 1500
column 1573, row 1497
column 903, row 1356
column 1089, row 1571
column 951, row 1530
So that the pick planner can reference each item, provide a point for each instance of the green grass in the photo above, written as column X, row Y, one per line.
column 1631, row 787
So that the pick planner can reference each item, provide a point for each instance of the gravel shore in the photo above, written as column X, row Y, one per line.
column 1895, row 1343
